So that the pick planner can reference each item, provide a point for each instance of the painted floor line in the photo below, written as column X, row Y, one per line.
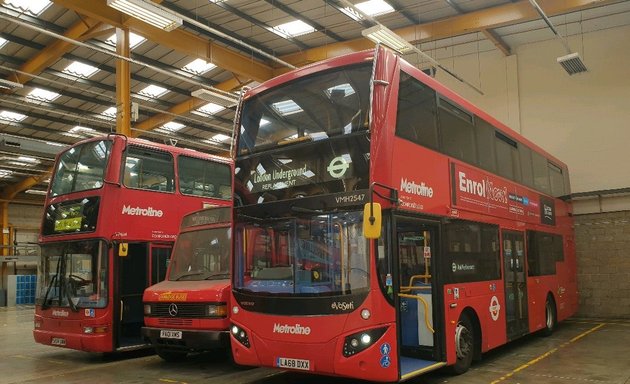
column 547, row 354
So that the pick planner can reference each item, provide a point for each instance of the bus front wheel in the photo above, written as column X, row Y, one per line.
column 550, row 317
column 464, row 345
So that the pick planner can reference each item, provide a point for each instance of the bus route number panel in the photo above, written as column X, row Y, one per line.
column 284, row 362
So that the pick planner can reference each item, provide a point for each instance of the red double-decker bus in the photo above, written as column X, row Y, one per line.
column 188, row 311
column 112, row 213
column 388, row 226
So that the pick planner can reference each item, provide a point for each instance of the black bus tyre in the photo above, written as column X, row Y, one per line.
column 550, row 317
column 464, row 345
column 171, row 356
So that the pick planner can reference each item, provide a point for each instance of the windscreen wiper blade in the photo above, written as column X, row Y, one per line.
column 213, row 276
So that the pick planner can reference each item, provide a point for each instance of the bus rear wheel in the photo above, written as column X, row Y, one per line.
column 464, row 345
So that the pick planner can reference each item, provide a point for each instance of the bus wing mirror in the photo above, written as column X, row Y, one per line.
column 372, row 219
column 123, row 249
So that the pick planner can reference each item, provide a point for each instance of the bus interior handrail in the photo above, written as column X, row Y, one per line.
column 426, row 309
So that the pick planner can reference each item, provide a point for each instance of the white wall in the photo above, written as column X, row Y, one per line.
column 583, row 119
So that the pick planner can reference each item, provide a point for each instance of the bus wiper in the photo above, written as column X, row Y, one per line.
column 295, row 208
column 45, row 304
column 67, row 287
column 215, row 275
column 190, row 274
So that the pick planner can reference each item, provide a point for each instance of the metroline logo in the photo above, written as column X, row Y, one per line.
column 420, row 189
column 137, row 211
column 296, row 329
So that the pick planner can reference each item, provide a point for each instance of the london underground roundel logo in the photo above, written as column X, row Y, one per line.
column 338, row 167
column 494, row 308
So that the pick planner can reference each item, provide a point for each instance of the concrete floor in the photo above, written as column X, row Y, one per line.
column 580, row 351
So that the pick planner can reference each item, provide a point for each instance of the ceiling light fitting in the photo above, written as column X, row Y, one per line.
column 220, row 98
column 148, row 12
column 571, row 62
column 6, row 84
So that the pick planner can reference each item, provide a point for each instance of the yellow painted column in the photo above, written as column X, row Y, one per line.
column 123, row 84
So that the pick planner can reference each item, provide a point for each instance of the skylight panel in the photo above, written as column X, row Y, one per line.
column 34, row 7
column 173, row 126
column 344, row 89
column 5, row 173
column 39, row 94
column 198, row 67
column 3, row 42
column 286, row 107
column 372, row 8
column 220, row 137
column 134, row 40
column 80, row 132
column 109, row 113
column 79, row 69
column 210, row 109
column 11, row 116
column 153, row 91
column 292, row 29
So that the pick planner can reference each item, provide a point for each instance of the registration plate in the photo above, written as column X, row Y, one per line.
column 167, row 334
column 283, row 362
column 58, row 341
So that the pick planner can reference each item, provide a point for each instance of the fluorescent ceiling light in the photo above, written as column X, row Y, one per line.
column 35, row 192
column 148, row 12
column 372, row 8
column 39, row 94
column 79, row 69
column 198, row 67
column 54, row 144
column 6, row 84
column 292, row 29
column 222, row 98
column 34, row 7
column 153, row 91
column 11, row 116
column 134, row 40
column 5, row 173
column 109, row 113
column 3, row 42
column 382, row 35
column 28, row 159
column 173, row 126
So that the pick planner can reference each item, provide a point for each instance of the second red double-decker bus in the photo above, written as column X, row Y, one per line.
column 473, row 246
column 188, row 311
column 112, row 213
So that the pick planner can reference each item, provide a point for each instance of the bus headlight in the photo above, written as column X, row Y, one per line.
column 360, row 341
column 240, row 335
column 213, row 310
column 147, row 309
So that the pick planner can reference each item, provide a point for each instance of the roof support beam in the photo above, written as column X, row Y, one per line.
column 495, row 17
column 179, row 39
column 54, row 51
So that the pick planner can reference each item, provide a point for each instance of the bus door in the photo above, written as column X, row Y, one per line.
column 415, row 250
column 515, row 284
column 132, row 279
column 160, row 257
